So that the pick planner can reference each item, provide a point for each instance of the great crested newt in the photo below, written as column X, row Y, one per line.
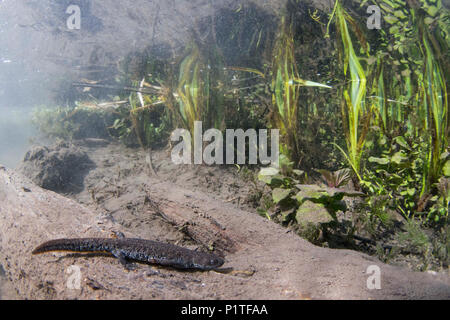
column 147, row 251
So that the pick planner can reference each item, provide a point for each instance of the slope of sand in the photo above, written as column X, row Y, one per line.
column 269, row 262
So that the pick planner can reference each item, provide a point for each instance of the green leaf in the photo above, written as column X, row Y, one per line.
column 399, row 157
column 446, row 169
column 263, row 213
column 444, row 155
column 273, row 181
column 399, row 14
column 271, row 171
column 298, row 172
column 428, row 20
column 280, row 194
column 390, row 19
column 402, row 142
column 313, row 213
column 411, row 191
column 432, row 10
column 379, row 160
column 268, row 175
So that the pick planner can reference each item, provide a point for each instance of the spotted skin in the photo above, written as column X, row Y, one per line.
column 147, row 251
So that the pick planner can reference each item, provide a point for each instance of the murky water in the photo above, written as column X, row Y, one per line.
column 16, row 135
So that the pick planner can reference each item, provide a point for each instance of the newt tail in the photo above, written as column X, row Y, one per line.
column 147, row 251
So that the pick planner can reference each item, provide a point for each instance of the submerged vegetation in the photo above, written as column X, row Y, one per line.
column 286, row 85
column 371, row 125
column 355, row 113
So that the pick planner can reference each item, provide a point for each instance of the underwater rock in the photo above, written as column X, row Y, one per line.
column 93, row 142
column 60, row 168
column 313, row 213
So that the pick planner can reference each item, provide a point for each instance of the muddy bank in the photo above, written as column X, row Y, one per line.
column 119, row 195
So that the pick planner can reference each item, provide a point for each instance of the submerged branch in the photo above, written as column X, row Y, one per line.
column 105, row 86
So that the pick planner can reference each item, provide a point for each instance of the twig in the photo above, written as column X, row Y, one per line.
column 139, row 93
column 148, row 160
column 104, row 86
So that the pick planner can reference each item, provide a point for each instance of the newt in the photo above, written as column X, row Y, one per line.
column 147, row 251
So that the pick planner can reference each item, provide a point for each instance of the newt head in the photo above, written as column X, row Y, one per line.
column 206, row 262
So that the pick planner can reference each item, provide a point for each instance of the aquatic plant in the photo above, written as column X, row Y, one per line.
column 356, row 115
column 435, row 101
column 198, row 89
column 286, row 83
column 411, row 98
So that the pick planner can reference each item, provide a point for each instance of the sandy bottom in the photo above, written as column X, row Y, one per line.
column 120, row 189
